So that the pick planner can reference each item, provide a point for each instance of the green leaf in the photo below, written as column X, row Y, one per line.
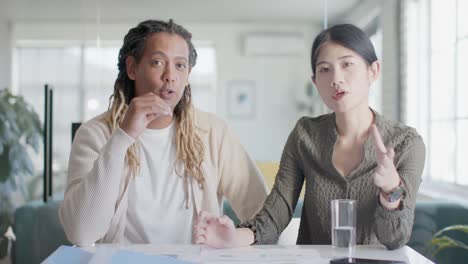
column 12, row 183
column 7, row 134
column 33, row 139
column 11, row 123
column 34, row 185
column 462, row 228
column 441, row 241
column 6, row 206
column 20, row 161
column 5, row 166
column 3, row 138
column 20, row 127
column 444, row 242
column 4, row 243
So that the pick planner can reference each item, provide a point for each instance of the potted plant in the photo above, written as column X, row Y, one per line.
column 451, row 237
column 20, row 131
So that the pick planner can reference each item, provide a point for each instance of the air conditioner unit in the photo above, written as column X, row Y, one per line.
column 274, row 44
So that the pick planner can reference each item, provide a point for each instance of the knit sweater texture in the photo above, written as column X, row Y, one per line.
column 307, row 156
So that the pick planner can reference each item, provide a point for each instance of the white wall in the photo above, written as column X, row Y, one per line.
column 363, row 13
column 5, row 55
column 386, row 13
column 390, row 61
column 278, row 79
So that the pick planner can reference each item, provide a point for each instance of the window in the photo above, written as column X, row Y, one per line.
column 437, row 85
column 83, row 79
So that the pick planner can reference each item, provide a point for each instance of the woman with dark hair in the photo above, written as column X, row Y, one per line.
column 352, row 153
column 142, row 171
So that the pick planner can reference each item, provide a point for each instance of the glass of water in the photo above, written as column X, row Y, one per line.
column 343, row 223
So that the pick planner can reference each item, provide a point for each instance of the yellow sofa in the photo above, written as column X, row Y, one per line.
column 269, row 170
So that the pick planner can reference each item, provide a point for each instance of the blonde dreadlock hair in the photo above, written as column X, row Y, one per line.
column 189, row 147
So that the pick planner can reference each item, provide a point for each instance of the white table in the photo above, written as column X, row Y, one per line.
column 271, row 254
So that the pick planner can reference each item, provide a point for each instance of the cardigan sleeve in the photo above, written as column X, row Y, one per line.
column 241, row 182
column 95, row 171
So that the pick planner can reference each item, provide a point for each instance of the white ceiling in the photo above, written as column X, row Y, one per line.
column 187, row 10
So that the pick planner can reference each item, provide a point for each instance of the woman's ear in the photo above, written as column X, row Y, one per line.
column 374, row 71
column 130, row 63
column 312, row 77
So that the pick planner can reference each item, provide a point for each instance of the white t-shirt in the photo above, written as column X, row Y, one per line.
column 156, row 211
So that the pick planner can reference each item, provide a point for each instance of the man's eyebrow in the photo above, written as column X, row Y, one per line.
column 164, row 55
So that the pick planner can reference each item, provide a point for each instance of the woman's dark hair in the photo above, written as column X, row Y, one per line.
column 348, row 36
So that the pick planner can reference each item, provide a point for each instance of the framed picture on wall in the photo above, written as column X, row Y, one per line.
column 241, row 99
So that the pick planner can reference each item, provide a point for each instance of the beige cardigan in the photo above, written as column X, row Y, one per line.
column 95, row 202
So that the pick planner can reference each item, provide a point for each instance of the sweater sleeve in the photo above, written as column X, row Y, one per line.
column 281, row 202
column 393, row 227
column 240, row 180
column 95, row 171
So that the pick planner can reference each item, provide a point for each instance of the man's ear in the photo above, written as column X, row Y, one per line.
column 374, row 71
column 130, row 63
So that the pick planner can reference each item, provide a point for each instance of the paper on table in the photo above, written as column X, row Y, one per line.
column 259, row 255
column 69, row 255
column 105, row 254
column 166, row 249
column 125, row 257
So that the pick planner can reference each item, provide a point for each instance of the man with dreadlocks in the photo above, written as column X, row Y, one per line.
column 142, row 171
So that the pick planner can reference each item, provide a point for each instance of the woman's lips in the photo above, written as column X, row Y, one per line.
column 339, row 95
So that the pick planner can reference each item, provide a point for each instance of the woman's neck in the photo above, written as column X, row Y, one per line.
column 354, row 124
